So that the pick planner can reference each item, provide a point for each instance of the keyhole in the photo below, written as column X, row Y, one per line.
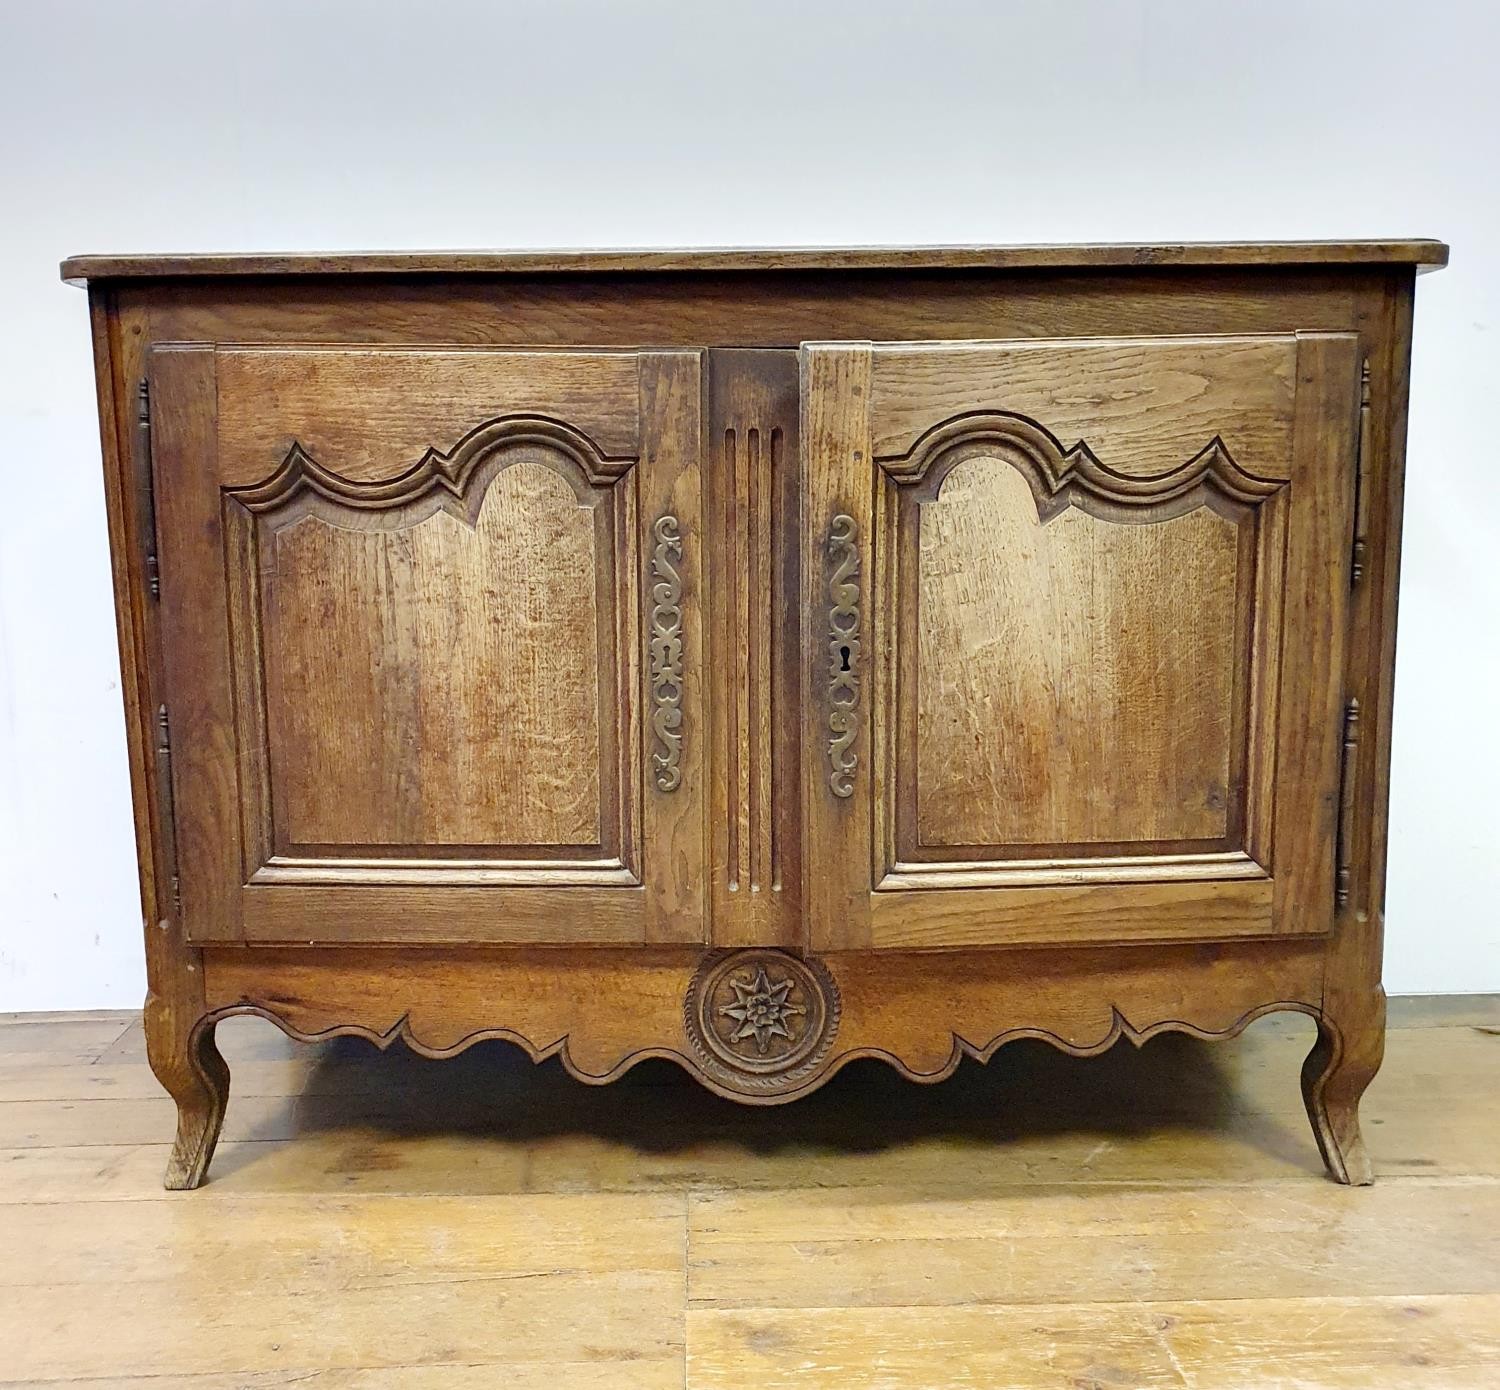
column 844, row 658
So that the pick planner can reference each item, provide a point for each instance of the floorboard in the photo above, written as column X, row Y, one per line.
column 1153, row 1217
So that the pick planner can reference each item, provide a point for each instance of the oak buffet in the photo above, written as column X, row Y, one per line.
column 759, row 658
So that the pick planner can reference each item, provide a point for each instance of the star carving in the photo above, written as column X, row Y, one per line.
column 761, row 1009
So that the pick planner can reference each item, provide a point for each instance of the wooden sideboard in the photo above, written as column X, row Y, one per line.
column 760, row 659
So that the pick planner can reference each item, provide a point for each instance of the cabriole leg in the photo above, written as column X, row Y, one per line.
column 1340, row 1066
column 187, row 1062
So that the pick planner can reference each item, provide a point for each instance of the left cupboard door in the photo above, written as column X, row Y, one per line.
column 432, row 635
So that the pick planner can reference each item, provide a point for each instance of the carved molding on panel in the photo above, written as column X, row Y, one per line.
column 761, row 1020
column 843, row 654
column 444, row 481
column 750, row 463
column 1060, row 478
column 665, row 653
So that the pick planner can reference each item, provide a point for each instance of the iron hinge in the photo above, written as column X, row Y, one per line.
column 1362, row 461
column 147, row 486
column 167, row 806
column 1348, row 773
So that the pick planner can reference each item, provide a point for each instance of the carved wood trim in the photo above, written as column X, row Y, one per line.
column 761, row 1021
column 1060, row 478
column 455, row 482
column 795, row 1086
column 754, row 641
column 920, row 1014
column 443, row 481
column 1120, row 1027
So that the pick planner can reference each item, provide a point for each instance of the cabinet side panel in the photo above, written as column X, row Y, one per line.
column 126, row 495
column 195, row 640
column 1317, row 605
column 176, row 987
column 1373, row 635
column 1353, row 1000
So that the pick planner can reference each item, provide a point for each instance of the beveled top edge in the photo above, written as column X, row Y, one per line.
column 1432, row 254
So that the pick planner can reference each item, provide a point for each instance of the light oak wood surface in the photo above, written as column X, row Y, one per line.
column 1419, row 252
column 1081, row 691
column 884, row 654
column 1152, row 1218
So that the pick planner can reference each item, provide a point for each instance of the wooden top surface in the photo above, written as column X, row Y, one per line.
column 1430, row 254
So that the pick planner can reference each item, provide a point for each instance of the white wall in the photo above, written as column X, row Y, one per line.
column 303, row 125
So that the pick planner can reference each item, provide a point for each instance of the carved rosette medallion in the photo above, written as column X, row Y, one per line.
column 760, row 1020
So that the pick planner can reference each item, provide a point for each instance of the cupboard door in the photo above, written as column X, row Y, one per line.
column 1073, row 626
column 432, row 634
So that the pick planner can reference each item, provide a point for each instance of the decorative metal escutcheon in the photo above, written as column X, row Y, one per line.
column 664, row 654
column 843, row 654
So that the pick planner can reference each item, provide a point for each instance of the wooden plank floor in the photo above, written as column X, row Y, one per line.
column 373, row 1221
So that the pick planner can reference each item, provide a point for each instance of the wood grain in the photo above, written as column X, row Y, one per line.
column 452, row 1283
column 1143, row 407
column 775, row 311
column 754, row 451
column 1319, row 533
column 433, row 684
column 1146, row 1218
column 1441, row 1343
column 1101, row 665
column 799, row 1250
column 1192, row 909
column 371, row 414
column 403, row 364
column 203, row 774
column 836, row 482
column 1075, row 681
column 1427, row 253
column 436, row 675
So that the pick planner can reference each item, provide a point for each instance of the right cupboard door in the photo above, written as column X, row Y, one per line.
column 1073, row 626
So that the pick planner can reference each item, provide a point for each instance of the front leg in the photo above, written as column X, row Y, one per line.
column 1340, row 1066
column 187, row 1062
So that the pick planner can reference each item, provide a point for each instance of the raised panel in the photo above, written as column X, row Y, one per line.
column 440, row 683
column 1075, row 654
column 432, row 662
column 1076, row 679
